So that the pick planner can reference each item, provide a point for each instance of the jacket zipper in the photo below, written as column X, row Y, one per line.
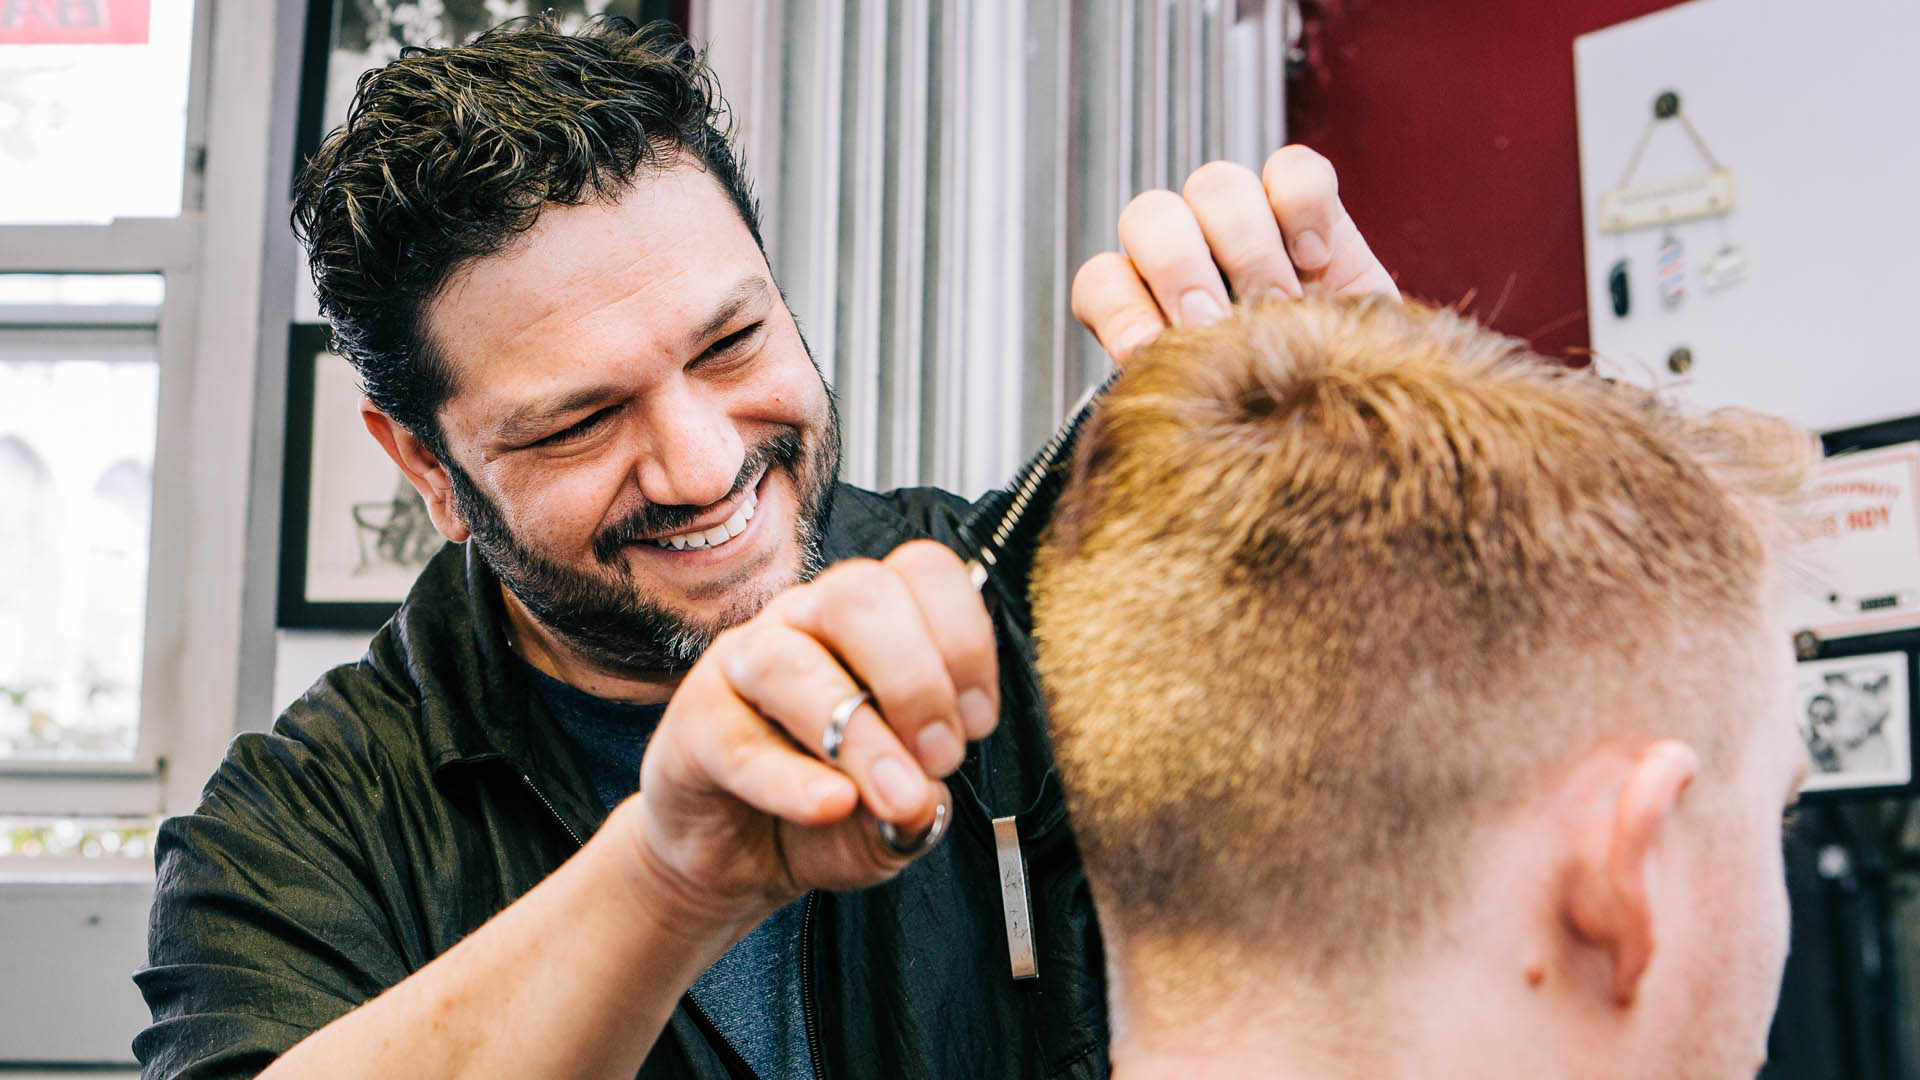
column 807, row 1009
column 737, row 1064
column 544, row 801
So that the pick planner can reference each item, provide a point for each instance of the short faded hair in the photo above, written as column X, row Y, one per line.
column 1333, row 582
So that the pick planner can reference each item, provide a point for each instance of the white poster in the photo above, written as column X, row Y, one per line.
column 1853, row 714
column 1859, row 573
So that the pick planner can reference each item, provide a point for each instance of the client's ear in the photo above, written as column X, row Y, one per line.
column 1609, row 899
column 423, row 469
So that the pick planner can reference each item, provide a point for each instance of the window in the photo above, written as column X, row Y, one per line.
column 77, row 416
column 93, row 108
column 99, row 243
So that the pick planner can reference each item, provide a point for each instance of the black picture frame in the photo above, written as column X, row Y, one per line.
column 1904, row 643
column 308, row 343
column 323, row 26
column 296, row 609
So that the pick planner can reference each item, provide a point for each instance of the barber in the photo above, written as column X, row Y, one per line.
column 543, row 261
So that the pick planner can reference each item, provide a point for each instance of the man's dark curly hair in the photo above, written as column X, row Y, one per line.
column 449, row 154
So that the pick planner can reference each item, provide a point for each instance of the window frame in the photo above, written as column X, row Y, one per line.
column 207, row 655
column 230, row 265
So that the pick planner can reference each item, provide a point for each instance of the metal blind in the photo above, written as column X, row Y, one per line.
column 932, row 172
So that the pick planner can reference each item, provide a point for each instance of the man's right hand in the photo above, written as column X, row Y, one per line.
column 739, row 809
column 738, row 812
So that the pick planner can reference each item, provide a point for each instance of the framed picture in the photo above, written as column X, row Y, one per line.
column 354, row 533
column 1854, row 708
column 346, row 37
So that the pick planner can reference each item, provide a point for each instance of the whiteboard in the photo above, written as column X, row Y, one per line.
column 1816, row 109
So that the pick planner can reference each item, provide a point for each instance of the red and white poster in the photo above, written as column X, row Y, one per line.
column 1859, row 573
column 74, row 22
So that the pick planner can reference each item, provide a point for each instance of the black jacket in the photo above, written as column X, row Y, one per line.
column 407, row 798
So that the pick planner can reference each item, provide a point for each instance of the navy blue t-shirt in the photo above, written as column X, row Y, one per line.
column 752, row 993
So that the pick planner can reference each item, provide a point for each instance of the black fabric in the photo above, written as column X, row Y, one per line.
column 608, row 738
column 407, row 798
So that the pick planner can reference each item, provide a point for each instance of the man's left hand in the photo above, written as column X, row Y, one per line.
column 1229, row 234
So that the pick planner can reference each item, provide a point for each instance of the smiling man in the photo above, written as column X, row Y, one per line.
column 652, row 769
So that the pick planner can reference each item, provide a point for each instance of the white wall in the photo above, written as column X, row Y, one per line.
column 302, row 656
column 1810, row 106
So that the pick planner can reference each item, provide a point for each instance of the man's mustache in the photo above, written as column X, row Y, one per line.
column 655, row 519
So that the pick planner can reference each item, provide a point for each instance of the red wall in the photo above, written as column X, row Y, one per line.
column 1451, row 123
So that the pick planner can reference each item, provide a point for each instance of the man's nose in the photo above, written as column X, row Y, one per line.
column 692, row 454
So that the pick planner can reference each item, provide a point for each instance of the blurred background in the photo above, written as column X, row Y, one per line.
column 193, row 525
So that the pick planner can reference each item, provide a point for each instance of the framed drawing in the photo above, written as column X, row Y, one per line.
column 346, row 37
column 1854, row 707
column 354, row 533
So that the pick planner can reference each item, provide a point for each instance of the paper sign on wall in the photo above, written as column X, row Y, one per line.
column 1860, row 571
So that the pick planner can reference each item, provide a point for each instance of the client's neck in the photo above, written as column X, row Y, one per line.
column 1423, row 1025
column 1249, row 1047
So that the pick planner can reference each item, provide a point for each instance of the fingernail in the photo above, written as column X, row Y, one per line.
column 1309, row 251
column 940, row 749
column 897, row 784
column 1282, row 293
column 977, row 714
column 1199, row 308
column 1135, row 338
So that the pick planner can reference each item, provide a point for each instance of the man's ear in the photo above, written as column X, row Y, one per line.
column 1611, row 901
column 422, row 468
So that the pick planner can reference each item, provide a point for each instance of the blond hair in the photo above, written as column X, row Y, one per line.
column 1333, row 581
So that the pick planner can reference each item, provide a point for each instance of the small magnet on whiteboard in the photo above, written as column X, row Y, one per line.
column 1727, row 268
column 1670, row 265
column 1806, row 644
column 1617, row 288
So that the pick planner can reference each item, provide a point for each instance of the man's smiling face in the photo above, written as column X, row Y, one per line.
column 636, row 438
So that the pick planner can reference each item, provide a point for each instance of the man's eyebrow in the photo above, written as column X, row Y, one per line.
column 533, row 418
column 748, row 291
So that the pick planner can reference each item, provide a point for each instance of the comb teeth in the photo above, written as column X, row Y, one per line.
column 1043, row 464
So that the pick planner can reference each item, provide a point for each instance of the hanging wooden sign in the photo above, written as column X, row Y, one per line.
column 1664, row 202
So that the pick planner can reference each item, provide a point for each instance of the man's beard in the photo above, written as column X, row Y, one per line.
column 601, row 612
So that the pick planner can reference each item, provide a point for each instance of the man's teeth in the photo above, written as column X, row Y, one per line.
column 719, row 534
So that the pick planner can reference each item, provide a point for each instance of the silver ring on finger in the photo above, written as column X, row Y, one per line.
column 890, row 836
column 836, row 734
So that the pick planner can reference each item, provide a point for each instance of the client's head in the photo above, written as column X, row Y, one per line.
column 1422, row 706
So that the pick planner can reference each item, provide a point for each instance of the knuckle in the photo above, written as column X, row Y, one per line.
column 755, row 658
column 915, row 687
column 738, row 750
column 864, row 594
column 1299, row 174
column 919, row 558
column 1147, row 207
column 1094, row 283
column 791, row 605
column 978, row 651
column 853, row 584
column 1217, row 178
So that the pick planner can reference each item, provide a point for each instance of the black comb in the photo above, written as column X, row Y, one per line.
column 1037, row 485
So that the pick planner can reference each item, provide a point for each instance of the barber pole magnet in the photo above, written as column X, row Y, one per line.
column 1670, row 267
